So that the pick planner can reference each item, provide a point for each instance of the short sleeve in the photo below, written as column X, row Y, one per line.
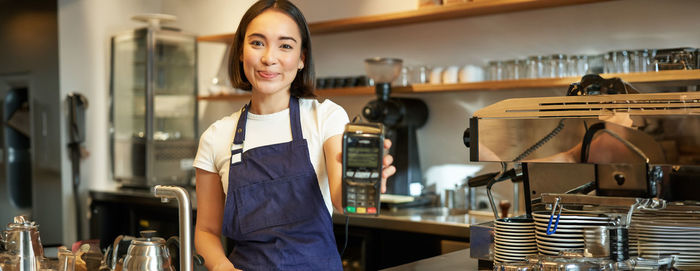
column 334, row 119
column 205, row 152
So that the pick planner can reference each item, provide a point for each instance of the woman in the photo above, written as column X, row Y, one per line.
column 269, row 175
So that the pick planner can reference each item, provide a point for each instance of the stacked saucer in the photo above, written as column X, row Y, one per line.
column 654, row 233
column 568, row 234
column 514, row 239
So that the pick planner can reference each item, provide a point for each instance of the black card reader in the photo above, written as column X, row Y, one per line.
column 363, row 152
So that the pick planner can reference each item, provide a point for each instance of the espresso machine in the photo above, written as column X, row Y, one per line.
column 610, row 179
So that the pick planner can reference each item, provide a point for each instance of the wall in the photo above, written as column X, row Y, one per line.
column 85, row 28
column 580, row 29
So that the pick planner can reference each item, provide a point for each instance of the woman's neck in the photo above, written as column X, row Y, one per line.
column 263, row 104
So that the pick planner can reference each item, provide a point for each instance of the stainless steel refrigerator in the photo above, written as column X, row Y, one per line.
column 30, row 147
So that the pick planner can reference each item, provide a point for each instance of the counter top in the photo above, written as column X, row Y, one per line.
column 458, row 260
column 436, row 221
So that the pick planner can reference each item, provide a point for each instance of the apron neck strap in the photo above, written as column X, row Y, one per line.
column 295, row 121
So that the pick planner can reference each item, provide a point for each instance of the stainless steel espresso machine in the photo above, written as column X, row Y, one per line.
column 611, row 181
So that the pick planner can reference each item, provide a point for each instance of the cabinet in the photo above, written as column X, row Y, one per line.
column 153, row 119
column 467, row 9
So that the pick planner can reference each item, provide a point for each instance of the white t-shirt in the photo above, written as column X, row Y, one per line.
column 319, row 121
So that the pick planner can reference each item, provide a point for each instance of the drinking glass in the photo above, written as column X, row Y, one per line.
column 402, row 80
column 577, row 65
column 534, row 67
column 617, row 62
column 596, row 64
column 495, row 69
column 514, row 69
column 419, row 75
column 639, row 60
column 556, row 66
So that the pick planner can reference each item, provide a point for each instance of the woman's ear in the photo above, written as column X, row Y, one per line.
column 303, row 59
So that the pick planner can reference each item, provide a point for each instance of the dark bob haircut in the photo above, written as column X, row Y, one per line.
column 303, row 84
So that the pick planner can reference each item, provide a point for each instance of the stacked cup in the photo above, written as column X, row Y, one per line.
column 514, row 239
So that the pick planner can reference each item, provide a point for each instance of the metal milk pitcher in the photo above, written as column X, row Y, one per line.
column 22, row 238
column 148, row 253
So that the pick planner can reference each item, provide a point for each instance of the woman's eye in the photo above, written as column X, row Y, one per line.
column 256, row 43
column 286, row 46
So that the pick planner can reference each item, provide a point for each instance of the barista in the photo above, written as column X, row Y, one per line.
column 269, row 175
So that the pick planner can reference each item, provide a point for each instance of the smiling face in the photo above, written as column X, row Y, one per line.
column 272, row 52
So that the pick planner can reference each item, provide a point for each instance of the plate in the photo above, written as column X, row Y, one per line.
column 550, row 248
column 513, row 220
column 667, row 249
column 518, row 241
column 665, row 240
column 518, row 237
column 504, row 250
column 523, row 254
column 516, row 244
column 560, row 235
column 572, row 217
column 511, row 234
column 575, row 222
column 531, row 229
column 566, row 226
column 559, row 244
column 665, row 228
column 662, row 232
column 559, row 240
column 514, row 227
column 560, row 229
column 533, row 246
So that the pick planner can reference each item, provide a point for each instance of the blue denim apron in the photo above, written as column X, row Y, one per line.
column 274, row 213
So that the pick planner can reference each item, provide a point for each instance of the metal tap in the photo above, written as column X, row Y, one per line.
column 184, row 206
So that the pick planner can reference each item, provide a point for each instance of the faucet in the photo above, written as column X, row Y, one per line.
column 165, row 193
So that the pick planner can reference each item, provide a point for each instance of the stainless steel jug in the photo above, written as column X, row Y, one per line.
column 22, row 238
column 148, row 253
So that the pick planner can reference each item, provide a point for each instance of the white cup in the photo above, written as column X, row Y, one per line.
column 471, row 73
column 436, row 75
column 450, row 75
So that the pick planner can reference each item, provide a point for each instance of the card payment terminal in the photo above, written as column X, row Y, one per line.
column 363, row 152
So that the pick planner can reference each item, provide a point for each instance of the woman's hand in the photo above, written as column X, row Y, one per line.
column 388, row 169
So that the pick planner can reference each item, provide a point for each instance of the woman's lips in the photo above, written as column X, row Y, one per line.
column 267, row 75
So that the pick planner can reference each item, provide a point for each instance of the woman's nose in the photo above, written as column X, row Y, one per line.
column 268, row 58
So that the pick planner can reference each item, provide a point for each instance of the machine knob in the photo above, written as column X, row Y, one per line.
column 467, row 138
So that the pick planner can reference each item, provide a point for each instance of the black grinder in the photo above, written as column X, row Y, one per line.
column 401, row 117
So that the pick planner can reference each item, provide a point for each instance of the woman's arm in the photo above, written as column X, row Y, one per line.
column 332, row 149
column 210, row 213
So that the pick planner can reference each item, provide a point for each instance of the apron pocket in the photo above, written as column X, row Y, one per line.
column 274, row 202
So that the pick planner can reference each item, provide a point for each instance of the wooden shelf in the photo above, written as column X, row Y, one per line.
column 423, row 15
column 677, row 77
column 438, row 13
column 222, row 38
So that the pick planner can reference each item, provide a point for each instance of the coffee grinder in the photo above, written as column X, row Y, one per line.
column 401, row 117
